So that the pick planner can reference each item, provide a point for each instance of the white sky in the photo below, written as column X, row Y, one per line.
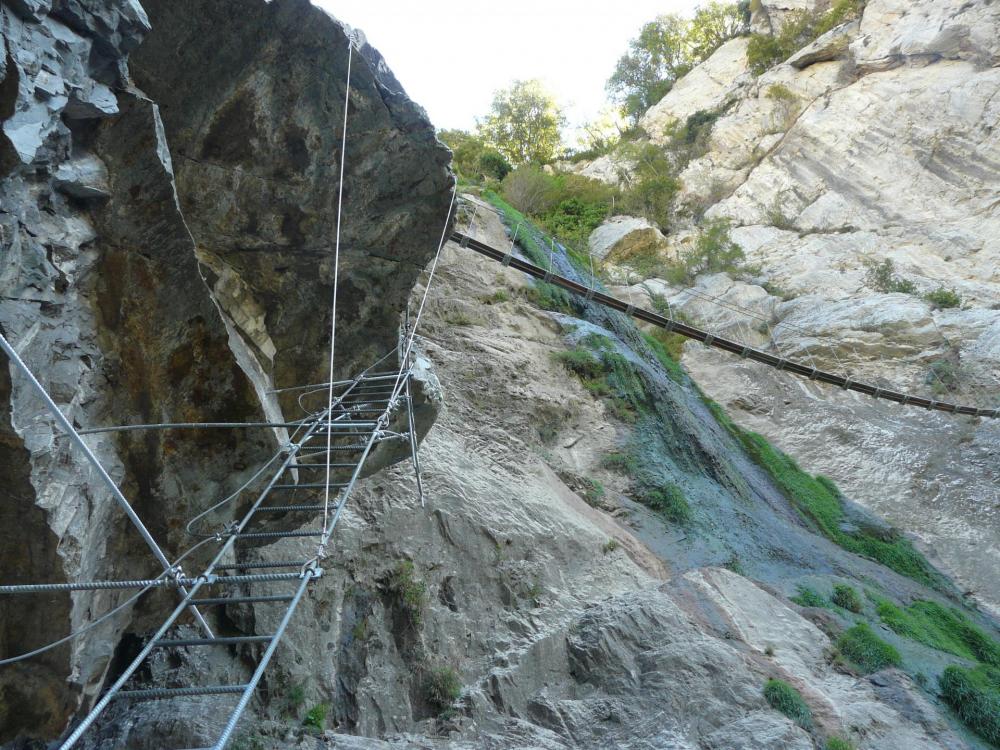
column 451, row 56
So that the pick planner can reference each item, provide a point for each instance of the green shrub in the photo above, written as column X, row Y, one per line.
column 669, row 501
column 316, row 717
column 845, row 596
column 784, row 698
column 839, row 743
column 714, row 250
column 654, row 184
column 818, row 501
column 809, row 597
column 882, row 277
column 493, row 164
column 410, row 593
column 866, row 651
column 974, row 694
column 840, row 12
column 764, row 51
column 442, row 687
column 610, row 546
column 698, row 127
column 780, row 93
column 942, row 628
column 943, row 299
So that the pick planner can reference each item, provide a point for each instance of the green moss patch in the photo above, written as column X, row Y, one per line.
column 609, row 375
column 819, row 501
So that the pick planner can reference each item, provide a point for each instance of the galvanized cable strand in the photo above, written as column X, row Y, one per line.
column 735, row 347
column 188, row 527
column 403, row 363
column 336, row 272
column 95, row 462
column 103, row 618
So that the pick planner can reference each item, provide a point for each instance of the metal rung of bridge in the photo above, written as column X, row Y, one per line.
column 225, row 600
column 221, row 641
column 291, row 508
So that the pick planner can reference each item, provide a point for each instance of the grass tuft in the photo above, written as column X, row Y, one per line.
column 809, row 597
column 866, row 651
column 408, row 591
column 442, row 687
column 845, row 596
column 784, row 698
column 669, row 501
column 942, row 628
column 974, row 694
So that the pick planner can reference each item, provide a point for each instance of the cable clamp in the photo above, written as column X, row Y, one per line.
column 630, row 310
column 291, row 447
column 670, row 324
column 709, row 339
column 507, row 259
column 176, row 574
column 548, row 276
column 590, row 294
column 813, row 373
column 906, row 400
column 207, row 579
column 878, row 393
column 745, row 352
column 933, row 404
column 847, row 383
column 465, row 241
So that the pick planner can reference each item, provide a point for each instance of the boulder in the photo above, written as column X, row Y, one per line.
column 832, row 45
column 623, row 236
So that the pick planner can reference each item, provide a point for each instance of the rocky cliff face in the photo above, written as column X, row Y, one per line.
column 138, row 294
column 876, row 141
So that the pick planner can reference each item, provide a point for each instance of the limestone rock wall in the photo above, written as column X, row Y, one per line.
column 877, row 141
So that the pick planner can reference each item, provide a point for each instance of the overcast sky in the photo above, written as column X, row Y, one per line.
column 451, row 56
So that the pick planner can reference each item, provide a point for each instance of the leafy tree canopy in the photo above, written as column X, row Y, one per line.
column 524, row 123
column 669, row 47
